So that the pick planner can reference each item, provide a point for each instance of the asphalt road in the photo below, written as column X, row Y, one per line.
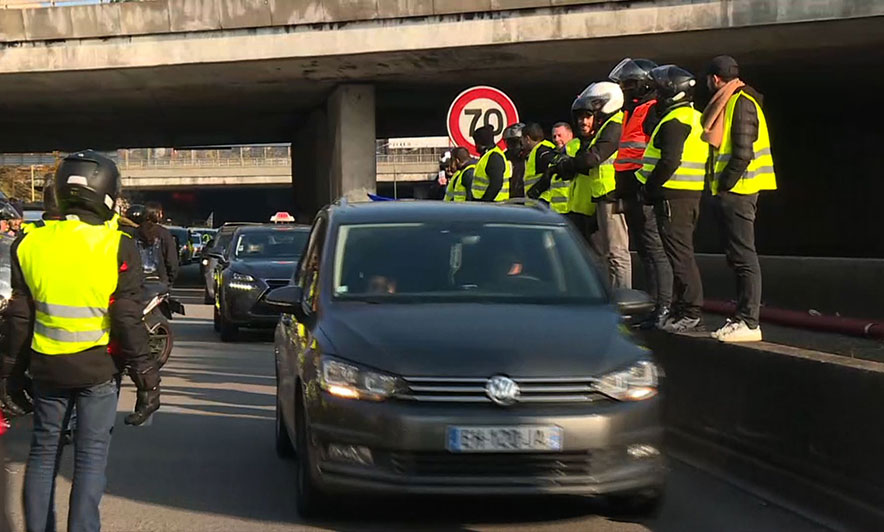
column 206, row 463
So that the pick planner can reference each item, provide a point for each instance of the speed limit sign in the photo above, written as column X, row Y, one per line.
column 477, row 107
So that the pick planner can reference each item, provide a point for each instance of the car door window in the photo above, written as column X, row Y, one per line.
column 308, row 272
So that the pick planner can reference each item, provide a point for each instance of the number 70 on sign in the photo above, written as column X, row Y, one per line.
column 477, row 107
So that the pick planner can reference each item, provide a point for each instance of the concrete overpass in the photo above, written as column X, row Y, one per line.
column 258, row 174
column 331, row 76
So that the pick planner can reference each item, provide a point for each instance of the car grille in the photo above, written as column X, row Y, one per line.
column 472, row 390
column 491, row 465
column 276, row 283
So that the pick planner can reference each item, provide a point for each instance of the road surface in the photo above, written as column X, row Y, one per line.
column 206, row 462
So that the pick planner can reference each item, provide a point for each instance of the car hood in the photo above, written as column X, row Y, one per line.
column 480, row 340
column 266, row 269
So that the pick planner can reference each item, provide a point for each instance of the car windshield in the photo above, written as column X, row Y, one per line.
column 32, row 216
column 463, row 261
column 270, row 244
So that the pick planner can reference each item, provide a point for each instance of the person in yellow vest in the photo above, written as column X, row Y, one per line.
column 516, row 155
column 540, row 184
column 736, row 128
column 673, row 178
column 76, row 284
column 491, row 179
column 461, row 166
column 593, row 187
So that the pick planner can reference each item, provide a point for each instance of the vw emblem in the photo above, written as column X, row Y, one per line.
column 502, row 390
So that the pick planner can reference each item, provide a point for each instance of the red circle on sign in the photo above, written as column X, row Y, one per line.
column 471, row 95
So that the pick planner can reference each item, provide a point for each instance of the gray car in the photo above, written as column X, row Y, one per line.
column 472, row 349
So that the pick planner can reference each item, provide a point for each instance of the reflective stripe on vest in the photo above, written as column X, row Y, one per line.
column 531, row 174
column 603, row 175
column 760, row 173
column 481, row 180
column 456, row 190
column 691, row 173
column 71, row 270
column 580, row 193
column 633, row 139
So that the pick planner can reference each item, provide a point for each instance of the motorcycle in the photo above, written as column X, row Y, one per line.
column 157, row 313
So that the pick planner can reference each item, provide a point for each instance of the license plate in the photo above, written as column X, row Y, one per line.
column 504, row 439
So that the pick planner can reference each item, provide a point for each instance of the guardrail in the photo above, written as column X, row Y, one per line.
column 205, row 163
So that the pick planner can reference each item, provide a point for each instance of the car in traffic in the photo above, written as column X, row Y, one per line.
column 258, row 259
column 462, row 348
column 182, row 241
column 217, row 247
column 199, row 237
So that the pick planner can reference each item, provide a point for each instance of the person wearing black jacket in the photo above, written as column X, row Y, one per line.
column 152, row 235
column 673, row 175
column 496, row 168
column 77, row 317
column 735, row 126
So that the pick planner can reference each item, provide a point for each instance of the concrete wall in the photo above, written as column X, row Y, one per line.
column 804, row 424
column 456, row 27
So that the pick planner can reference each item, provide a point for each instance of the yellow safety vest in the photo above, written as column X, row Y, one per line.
column 532, row 176
column 691, row 173
column 71, row 270
column 30, row 226
column 480, row 177
column 456, row 191
column 602, row 180
column 759, row 174
column 580, row 188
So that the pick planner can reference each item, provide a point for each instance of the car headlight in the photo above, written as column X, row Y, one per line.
column 242, row 281
column 205, row 262
column 349, row 381
column 636, row 383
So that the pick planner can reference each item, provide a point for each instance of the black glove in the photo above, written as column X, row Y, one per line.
column 10, row 405
column 148, row 398
column 564, row 165
column 650, row 194
column 146, row 403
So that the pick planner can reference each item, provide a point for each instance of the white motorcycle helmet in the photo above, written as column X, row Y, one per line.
column 603, row 97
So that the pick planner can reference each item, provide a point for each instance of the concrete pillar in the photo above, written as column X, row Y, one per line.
column 333, row 152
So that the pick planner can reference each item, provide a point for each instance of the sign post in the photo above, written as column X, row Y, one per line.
column 477, row 107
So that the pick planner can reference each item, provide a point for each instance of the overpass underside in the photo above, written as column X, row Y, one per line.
column 332, row 80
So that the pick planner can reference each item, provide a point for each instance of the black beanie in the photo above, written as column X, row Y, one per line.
column 484, row 136
column 725, row 67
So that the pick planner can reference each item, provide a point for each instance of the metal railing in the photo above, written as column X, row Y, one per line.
column 246, row 162
column 29, row 4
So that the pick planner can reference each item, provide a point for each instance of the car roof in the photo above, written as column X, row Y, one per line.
column 274, row 227
column 439, row 211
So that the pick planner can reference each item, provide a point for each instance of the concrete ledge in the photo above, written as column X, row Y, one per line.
column 12, row 25
column 142, row 18
column 245, row 14
column 804, row 413
column 195, row 15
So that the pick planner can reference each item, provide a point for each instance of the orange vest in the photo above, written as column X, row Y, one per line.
column 633, row 140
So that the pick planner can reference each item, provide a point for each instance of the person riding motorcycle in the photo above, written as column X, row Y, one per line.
column 159, row 252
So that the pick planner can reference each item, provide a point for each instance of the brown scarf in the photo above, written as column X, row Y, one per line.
column 713, row 116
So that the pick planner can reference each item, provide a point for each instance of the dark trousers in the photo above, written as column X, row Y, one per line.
column 643, row 224
column 676, row 221
column 736, row 214
column 588, row 227
column 97, row 409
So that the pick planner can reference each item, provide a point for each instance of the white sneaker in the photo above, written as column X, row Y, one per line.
column 729, row 324
column 737, row 331
column 683, row 324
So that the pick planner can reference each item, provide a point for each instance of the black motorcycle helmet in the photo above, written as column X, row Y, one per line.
column 136, row 213
column 675, row 86
column 88, row 180
column 633, row 76
column 50, row 200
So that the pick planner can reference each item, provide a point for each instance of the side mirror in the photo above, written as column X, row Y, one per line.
column 635, row 305
column 286, row 299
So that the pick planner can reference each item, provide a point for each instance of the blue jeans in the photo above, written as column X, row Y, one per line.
column 96, row 412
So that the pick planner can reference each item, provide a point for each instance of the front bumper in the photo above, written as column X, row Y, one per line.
column 408, row 446
column 247, row 307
